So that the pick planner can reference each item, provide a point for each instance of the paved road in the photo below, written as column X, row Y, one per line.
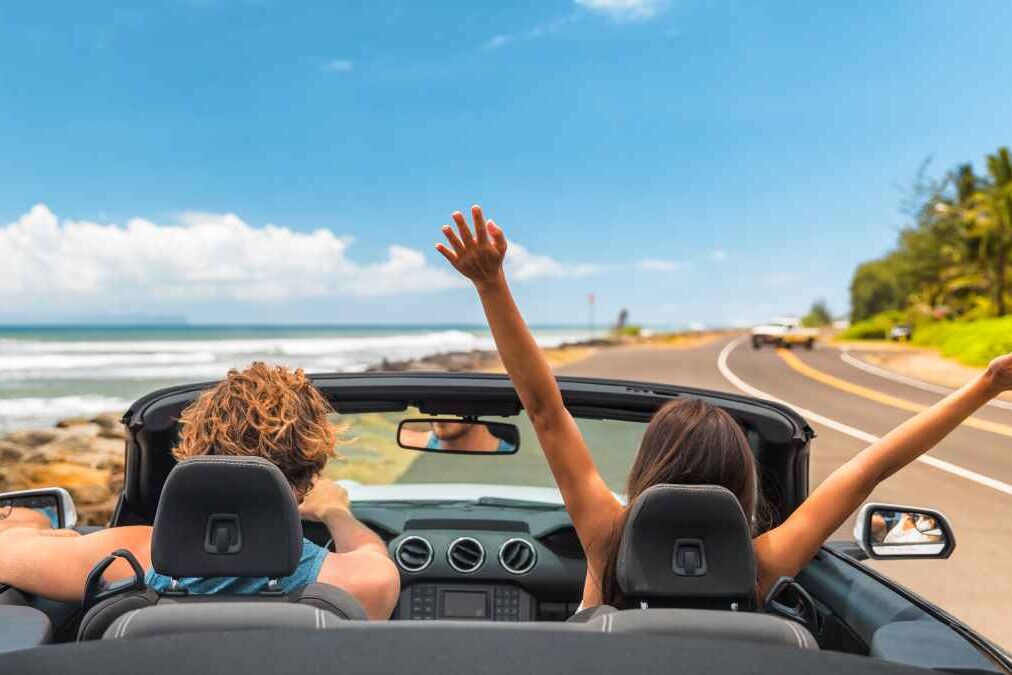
column 850, row 405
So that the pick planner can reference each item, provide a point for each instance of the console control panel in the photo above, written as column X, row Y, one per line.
column 465, row 602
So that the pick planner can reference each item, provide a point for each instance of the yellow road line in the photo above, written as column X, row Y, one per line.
column 877, row 396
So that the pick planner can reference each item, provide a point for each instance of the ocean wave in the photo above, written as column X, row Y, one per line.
column 20, row 412
column 181, row 360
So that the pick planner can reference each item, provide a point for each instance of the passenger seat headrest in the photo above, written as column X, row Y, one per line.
column 226, row 516
column 687, row 545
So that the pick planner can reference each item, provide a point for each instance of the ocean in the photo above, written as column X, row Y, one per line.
column 52, row 372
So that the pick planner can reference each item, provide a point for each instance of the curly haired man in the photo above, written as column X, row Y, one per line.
column 262, row 411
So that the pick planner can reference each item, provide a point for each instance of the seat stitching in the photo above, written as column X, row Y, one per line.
column 126, row 621
column 797, row 634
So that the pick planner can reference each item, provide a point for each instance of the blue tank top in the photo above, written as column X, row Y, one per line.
column 306, row 573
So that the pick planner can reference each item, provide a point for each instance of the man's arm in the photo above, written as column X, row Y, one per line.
column 360, row 564
column 56, row 563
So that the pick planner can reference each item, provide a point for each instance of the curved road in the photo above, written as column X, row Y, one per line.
column 968, row 477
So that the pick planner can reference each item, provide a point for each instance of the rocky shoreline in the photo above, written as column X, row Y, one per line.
column 85, row 456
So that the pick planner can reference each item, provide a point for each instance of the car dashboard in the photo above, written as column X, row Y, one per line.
column 478, row 561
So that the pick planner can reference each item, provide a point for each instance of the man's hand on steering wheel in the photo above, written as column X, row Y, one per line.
column 325, row 497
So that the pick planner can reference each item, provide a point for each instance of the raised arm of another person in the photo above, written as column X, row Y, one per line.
column 784, row 550
column 360, row 563
column 479, row 257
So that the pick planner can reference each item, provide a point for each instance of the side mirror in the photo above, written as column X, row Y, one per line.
column 29, row 507
column 885, row 531
column 458, row 436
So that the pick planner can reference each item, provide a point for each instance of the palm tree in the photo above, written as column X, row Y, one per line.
column 990, row 226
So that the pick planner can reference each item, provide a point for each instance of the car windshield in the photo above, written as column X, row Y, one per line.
column 372, row 456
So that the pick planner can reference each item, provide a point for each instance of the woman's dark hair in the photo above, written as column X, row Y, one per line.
column 688, row 442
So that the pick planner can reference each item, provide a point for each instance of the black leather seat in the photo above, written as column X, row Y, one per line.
column 685, row 559
column 223, row 517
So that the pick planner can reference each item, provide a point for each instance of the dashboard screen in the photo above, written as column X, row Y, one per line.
column 464, row 605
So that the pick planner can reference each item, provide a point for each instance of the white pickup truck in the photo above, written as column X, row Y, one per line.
column 784, row 332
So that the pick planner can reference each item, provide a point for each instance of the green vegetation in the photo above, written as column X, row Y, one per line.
column 949, row 275
column 953, row 261
column 874, row 328
column 974, row 343
column 818, row 316
column 628, row 331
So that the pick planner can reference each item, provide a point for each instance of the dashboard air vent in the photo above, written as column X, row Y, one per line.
column 517, row 556
column 466, row 555
column 413, row 554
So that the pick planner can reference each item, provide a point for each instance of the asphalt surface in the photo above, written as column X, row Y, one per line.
column 975, row 584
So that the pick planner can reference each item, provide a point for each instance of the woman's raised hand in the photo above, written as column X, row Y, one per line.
column 1000, row 373
column 477, row 256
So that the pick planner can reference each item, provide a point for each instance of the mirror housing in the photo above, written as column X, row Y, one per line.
column 55, row 503
column 891, row 531
column 458, row 436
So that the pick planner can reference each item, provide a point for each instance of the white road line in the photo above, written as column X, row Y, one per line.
column 903, row 379
column 864, row 436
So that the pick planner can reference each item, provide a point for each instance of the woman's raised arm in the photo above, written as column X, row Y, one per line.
column 785, row 550
column 479, row 257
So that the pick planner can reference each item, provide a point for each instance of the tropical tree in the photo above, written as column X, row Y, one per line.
column 990, row 227
column 819, row 315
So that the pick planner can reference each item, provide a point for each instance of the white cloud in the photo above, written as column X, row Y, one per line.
column 338, row 66
column 80, row 265
column 718, row 255
column 625, row 10
column 523, row 265
column 654, row 265
column 541, row 30
column 500, row 40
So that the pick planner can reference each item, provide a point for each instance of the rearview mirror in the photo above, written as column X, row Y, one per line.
column 890, row 531
column 460, row 437
column 52, row 506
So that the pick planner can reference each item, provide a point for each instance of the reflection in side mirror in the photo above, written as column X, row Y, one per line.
column 45, row 508
column 457, row 436
column 890, row 531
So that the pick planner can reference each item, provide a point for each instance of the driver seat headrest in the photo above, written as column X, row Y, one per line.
column 687, row 546
column 226, row 516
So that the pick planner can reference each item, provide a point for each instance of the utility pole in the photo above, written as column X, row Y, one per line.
column 590, row 312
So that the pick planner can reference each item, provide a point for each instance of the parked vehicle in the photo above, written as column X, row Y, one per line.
column 491, row 568
column 901, row 332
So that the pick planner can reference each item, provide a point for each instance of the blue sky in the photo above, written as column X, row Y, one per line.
column 692, row 161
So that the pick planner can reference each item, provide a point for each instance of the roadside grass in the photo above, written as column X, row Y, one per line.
column 873, row 328
column 973, row 343
column 371, row 456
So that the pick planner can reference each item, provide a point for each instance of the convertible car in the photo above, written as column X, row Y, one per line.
column 447, row 470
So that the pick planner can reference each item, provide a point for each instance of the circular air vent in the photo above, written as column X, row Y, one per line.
column 517, row 556
column 465, row 555
column 413, row 554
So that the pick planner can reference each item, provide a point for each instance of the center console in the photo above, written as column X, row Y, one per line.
column 465, row 602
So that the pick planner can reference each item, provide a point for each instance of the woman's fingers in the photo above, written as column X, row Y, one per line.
column 480, row 233
column 498, row 236
column 448, row 254
column 451, row 237
column 465, row 231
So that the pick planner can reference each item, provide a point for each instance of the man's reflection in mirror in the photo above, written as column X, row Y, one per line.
column 459, row 436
